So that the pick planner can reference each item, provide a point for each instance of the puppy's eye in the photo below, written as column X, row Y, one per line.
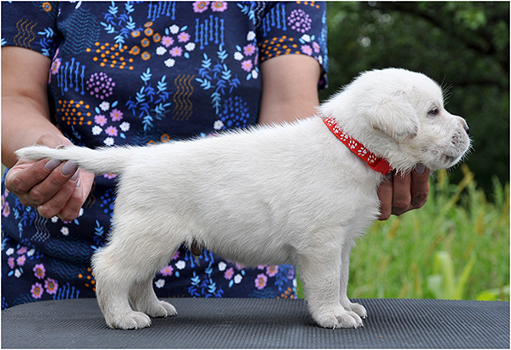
column 433, row 112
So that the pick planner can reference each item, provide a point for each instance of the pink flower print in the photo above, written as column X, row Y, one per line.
column 260, row 281
column 51, row 286
column 39, row 271
column 167, row 41
column 316, row 47
column 116, row 115
column 246, row 65
column 183, row 37
column 55, row 65
column 111, row 131
column 176, row 256
column 200, row 6
column 176, row 51
column 22, row 250
column 37, row 290
column 229, row 273
column 100, row 119
column 306, row 49
column 10, row 262
column 272, row 270
column 219, row 6
column 167, row 270
column 6, row 210
column 249, row 50
column 21, row 260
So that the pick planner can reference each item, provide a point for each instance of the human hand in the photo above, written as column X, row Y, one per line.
column 400, row 193
column 54, row 188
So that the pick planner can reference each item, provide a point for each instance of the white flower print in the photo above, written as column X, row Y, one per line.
column 190, row 46
column 55, row 219
column 65, row 231
column 96, row 130
column 9, row 251
column 218, row 125
column 306, row 38
column 161, row 50
column 105, row 106
column 180, row 265
column 221, row 266
column 109, row 141
column 174, row 29
column 238, row 278
column 170, row 62
column 31, row 252
column 238, row 56
column 124, row 126
column 160, row 283
column 255, row 74
column 251, row 36
column 17, row 273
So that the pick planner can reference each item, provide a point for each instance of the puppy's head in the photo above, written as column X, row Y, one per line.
column 400, row 115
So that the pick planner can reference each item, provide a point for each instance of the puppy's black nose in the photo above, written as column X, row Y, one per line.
column 467, row 129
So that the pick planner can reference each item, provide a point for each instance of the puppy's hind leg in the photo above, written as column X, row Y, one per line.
column 144, row 299
column 113, row 283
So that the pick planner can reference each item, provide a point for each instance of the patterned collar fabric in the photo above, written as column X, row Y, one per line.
column 376, row 163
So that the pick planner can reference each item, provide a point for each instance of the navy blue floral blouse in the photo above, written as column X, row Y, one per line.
column 140, row 73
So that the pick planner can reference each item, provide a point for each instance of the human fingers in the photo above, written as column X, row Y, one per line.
column 54, row 183
column 419, row 186
column 71, row 209
column 385, row 194
column 53, row 206
column 401, row 197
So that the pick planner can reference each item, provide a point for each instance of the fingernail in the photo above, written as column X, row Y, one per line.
column 69, row 167
column 75, row 176
column 420, row 168
column 52, row 164
column 390, row 176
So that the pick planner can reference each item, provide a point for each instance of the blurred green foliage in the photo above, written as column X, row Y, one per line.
column 464, row 46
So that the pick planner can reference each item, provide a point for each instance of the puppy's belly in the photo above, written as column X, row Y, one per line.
column 254, row 253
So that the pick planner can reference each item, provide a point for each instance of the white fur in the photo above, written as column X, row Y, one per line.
column 270, row 195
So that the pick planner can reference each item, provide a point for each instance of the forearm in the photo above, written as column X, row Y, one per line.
column 22, row 125
column 25, row 109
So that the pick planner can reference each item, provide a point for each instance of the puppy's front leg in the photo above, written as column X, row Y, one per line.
column 345, row 271
column 320, row 272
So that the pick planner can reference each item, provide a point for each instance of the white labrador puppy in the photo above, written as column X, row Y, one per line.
column 290, row 193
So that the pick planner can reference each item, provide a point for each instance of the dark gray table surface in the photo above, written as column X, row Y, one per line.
column 262, row 323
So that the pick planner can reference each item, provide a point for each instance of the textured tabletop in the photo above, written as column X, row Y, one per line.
column 262, row 323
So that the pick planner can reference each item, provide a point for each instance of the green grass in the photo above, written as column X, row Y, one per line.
column 455, row 247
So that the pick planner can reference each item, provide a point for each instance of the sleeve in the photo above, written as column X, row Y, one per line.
column 31, row 25
column 295, row 28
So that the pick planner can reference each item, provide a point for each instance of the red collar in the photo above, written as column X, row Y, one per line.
column 376, row 163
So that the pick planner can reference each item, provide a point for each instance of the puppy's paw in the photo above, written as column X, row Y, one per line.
column 131, row 320
column 339, row 319
column 356, row 308
column 161, row 309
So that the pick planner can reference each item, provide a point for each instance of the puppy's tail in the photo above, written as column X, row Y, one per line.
column 100, row 161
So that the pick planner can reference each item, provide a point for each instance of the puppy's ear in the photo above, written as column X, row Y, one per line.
column 395, row 117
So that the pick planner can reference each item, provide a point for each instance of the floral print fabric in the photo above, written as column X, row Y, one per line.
column 141, row 73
